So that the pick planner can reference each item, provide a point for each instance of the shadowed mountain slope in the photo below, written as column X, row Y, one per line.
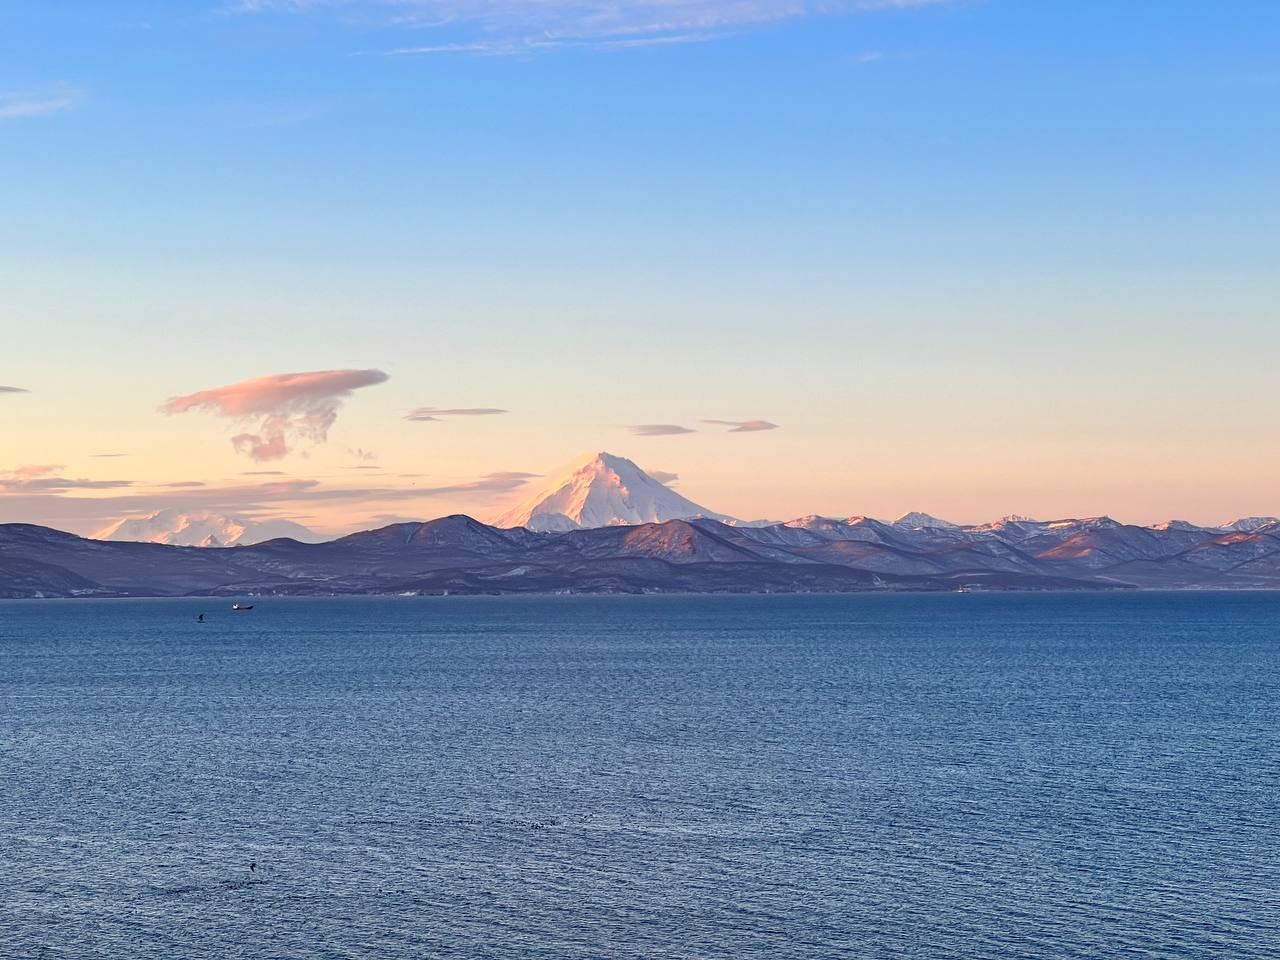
column 460, row 555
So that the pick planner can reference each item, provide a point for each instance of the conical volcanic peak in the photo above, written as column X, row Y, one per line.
column 602, row 490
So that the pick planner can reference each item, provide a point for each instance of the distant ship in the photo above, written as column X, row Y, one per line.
column 242, row 606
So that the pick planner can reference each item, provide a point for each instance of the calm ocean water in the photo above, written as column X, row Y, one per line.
column 771, row 777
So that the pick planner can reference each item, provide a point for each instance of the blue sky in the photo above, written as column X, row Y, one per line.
column 973, row 257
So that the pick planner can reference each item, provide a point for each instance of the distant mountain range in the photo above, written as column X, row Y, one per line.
column 459, row 555
column 605, row 526
column 202, row 529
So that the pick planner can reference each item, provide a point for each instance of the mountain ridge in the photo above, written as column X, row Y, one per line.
column 603, row 490
column 458, row 554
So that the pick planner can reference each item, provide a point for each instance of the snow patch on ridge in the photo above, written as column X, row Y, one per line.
column 1250, row 524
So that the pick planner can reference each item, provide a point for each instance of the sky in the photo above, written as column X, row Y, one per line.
column 350, row 261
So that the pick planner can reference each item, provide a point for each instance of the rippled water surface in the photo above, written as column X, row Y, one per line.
column 772, row 777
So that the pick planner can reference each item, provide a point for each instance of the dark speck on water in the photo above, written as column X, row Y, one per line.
column 879, row 776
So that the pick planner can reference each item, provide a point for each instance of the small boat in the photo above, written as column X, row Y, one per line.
column 242, row 607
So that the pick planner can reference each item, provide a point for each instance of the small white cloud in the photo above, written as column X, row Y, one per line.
column 506, row 28
column 22, row 105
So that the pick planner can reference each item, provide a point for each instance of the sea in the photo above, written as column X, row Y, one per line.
column 880, row 776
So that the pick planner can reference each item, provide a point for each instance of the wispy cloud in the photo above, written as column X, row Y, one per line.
column 524, row 46
column 744, row 426
column 43, row 478
column 4, row 389
column 33, row 470
column 36, row 495
column 514, row 28
column 107, row 456
column 663, row 476
column 659, row 429
column 435, row 414
column 287, row 407
column 503, row 481
column 386, row 520
column 20, row 105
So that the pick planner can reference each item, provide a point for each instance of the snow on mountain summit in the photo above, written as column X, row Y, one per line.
column 923, row 521
column 202, row 529
column 1250, row 524
column 1183, row 525
column 602, row 490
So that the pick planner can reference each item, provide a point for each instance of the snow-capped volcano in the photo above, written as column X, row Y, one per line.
column 202, row 529
column 602, row 490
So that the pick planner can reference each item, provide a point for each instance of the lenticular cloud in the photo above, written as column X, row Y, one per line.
column 286, row 407
column 744, row 426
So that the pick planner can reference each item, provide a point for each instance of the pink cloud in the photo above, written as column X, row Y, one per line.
column 33, row 470
column 43, row 478
column 744, row 426
column 502, row 481
column 659, row 429
column 287, row 407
